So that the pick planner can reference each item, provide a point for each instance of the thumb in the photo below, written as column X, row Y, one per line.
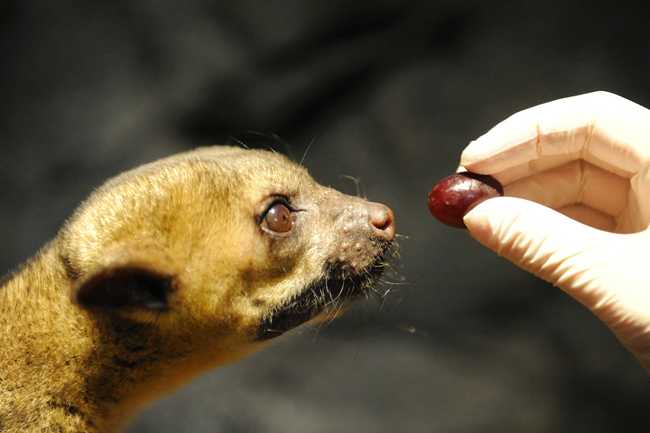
column 554, row 247
column 606, row 272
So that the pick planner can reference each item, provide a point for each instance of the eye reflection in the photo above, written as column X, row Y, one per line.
column 278, row 218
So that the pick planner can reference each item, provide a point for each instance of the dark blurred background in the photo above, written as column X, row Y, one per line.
column 389, row 92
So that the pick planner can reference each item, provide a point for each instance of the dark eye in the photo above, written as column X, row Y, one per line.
column 278, row 218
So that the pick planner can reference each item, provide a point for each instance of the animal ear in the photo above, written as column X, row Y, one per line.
column 126, row 287
column 127, row 283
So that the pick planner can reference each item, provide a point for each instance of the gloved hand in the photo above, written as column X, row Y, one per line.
column 576, row 211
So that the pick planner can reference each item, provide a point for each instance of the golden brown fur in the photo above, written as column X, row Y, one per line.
column 76, row 357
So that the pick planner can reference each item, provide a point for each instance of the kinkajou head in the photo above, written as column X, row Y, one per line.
column 171, row 269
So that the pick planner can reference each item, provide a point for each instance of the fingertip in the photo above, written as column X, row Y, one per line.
column 505, row 146
column 478, row 222
column 471, row 154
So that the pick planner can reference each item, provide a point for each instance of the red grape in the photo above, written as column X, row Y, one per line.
column 452, row 197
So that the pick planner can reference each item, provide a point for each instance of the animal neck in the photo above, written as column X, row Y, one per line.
column 43, row 344
column 57, row 372
column 66, row 369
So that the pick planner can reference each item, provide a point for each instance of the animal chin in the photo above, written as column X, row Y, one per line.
column 338, row 286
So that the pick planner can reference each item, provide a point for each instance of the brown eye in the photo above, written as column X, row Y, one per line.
column 278, row 218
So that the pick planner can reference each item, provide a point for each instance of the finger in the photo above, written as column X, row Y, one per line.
column 601, row 128
column 636, row 218
column 542, row 241
column 605, row 272
column 575, row 183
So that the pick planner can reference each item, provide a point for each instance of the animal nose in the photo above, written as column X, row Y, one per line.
column 382, row 221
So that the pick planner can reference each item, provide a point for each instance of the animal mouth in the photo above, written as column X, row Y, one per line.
column 337, row 287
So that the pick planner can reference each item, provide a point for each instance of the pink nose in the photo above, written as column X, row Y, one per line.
column 382, row 221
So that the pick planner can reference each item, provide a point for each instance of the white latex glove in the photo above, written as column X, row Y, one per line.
column 576, row 211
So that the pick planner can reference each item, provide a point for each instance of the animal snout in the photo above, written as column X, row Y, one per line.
column 382, row 221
